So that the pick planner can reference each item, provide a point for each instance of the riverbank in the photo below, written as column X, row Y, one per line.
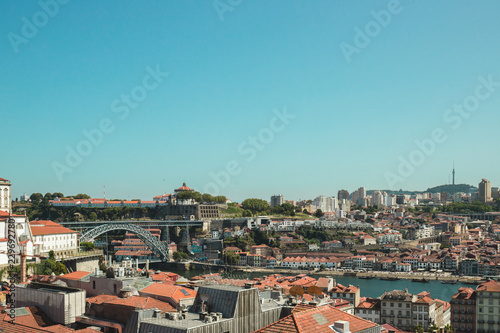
column 446, row 277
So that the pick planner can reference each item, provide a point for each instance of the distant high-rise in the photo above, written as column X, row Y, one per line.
column 485, row 191
column 277, row 200
column 377, row 198
column 343, row 195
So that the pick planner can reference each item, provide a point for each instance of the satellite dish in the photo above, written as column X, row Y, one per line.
column 315, row 291
column 296, row 290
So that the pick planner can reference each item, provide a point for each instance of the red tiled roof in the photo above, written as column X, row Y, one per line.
column 77, row 275
column 317, row 320
column 167, row 290
column 44, row 227
column 490, row 285
column 143, row 303
column 3, row 179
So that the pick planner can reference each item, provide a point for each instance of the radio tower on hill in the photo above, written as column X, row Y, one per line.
column 453, row 173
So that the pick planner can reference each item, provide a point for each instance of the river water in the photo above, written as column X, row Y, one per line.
column 369, row 288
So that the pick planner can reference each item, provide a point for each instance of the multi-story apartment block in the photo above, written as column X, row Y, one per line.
column 488, row 307
column 369, row 309
column 350, row 293
column 277, row 200
column 463, row 310
column 396, row 309
column 424, row 311
column 484, row 191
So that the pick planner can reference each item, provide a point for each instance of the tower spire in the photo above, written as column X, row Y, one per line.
column 453, row 172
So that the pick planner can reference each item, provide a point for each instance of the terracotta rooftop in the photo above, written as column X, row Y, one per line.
column 317, row 320
column 166, row 290
column 77, row 275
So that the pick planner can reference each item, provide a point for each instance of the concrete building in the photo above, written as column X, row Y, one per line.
column 485, row 191
column 62, row 304
column 5, row 195
column 277, row 200
column 326, row 204
column 377, row 199
column 216, row 309
column 488, row 307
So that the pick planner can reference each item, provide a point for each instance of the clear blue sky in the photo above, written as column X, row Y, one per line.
column 352, row 120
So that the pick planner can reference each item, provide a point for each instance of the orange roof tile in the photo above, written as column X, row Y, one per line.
column 77, row 275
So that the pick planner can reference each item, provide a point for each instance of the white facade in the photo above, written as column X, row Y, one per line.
column 23, row 236
column 50, row 236
column 377, row 198
column 326, row 204
column 5, row 195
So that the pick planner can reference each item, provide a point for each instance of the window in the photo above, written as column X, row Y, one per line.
column 93, row 284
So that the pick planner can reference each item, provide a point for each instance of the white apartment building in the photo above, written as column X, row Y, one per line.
column 23, row 236
column 326, row 204
column 50, row 236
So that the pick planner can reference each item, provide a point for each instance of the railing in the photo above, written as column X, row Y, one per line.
column 88, row 253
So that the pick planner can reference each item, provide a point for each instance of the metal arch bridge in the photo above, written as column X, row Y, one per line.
column 154, row 244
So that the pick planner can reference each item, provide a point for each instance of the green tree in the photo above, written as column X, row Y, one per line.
column 185, row 195
column 87, row 246
column 178, row 255
column 57, row 195
column 82, row 196
column 36, row 197
column 322, row 267
column 319, row 213
column 247, row 213
column 207, row 198
column 231, row 258
column 419, row 329
column 305, row 211
column 255, row 205
column 449, row 329
column 93, row 216
column 220, row 199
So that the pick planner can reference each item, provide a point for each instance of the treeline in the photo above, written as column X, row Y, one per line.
column 255, row 206
column 468, row 208
column 41, row 209
column 201, row 198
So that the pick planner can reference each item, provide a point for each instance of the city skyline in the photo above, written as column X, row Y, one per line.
column 250, row 100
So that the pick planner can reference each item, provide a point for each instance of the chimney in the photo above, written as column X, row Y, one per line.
column 137, row 264
column 23, row 267
column 147, row 265
column 342, row 326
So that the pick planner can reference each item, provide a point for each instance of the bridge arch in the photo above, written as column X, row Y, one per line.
column 153, row 243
